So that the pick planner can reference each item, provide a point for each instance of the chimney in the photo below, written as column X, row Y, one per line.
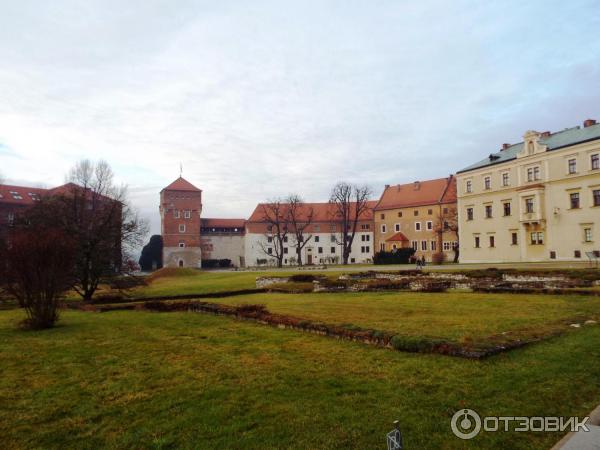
column 505, row 146
column 589, row 123
column 387, row 186
column 545, row 134
column 417, row 185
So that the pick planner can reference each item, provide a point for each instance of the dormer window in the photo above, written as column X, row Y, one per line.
column 530, row 148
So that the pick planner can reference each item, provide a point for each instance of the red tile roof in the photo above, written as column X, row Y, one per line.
column 419, row 193
column 20, row 195
column 322, row 212
column 223, row 223
column 181, row 184
column 399, row 236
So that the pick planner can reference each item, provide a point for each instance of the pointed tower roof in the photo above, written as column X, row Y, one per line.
column 181, row 184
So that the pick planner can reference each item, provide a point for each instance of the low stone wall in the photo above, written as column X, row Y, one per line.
column 414, row 280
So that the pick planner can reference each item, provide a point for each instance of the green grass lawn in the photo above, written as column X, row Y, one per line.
column 185, row 380
column 460, row 317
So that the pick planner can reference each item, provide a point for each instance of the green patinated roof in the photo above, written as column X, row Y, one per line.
column 570, row 136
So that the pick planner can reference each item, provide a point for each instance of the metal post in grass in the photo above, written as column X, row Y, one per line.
column 394, row 437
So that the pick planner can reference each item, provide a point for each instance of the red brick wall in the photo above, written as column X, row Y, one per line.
column 172, row 201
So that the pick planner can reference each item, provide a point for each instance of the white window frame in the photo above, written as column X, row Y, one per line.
column 182, row 227
column 417, row 226
column 397, row 227
column 429, row 225
column 176, row 214
column 187, row 214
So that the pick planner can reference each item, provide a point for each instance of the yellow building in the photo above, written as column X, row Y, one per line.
column 421, row 215
column 538, row 200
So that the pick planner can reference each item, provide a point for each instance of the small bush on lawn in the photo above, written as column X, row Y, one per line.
column 291, row 287
column 214, row 263
column 399, row 256
column 303, row 278
column 415, row 344
column 251, row 309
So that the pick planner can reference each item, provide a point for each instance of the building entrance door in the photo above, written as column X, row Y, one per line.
column 309, row 259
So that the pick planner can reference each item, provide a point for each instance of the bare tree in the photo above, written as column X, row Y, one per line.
column 447, row 222
column 274, row 215
column 349, row 202
column 94, row 211
column 37, row 270
column 300, row 217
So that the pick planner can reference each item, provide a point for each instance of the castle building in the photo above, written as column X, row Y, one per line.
column 538, row 200
column 421, row 215
column 188, row 238
column 180, row 211
column 322, row 237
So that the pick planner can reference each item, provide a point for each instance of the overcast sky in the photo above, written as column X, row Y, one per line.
column 261, row 98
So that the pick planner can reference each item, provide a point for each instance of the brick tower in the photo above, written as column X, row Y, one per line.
column 180, row 209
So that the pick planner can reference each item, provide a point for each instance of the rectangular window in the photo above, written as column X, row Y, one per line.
column 317, row 238
column 365, row 226
column 469, row 186
column 487, row 182
column 433, row 245
column 595, row 161
column 367, row 237
column 397, row 227
column 488, row 211
column 270, row 251
column 176, row 213
column 469, row 213
column 320, row 250
column 332, row 250
column 269, row 239
column 429, row 212
column 530, row 174
column 417, row 226
column 577, row 254
column 430, row 225
column 507, row 209
column 332, row 228
column 10, row 218
column 182, row 228
column 492, row 241
column 382, row 216
column 362, row 238
column 587, row 234
column 332, row 238
column 537, row 238
column 505, row 180
column 415, row 245
column 285, row 250
column 187, row 214
column 415, row 212
column 529, row 205
column 424, row 245
column 536, row 173
column 181, row 244
column 476, row 241
column 574, row 198
column 399, row 213
column 573, row 165
column 596, row 195
column 382, row 247
column 514, row 239
column 383, row 228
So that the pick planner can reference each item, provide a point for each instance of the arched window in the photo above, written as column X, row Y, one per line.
column 181, row 263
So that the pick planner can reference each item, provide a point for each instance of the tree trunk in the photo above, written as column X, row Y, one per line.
column 298, row 256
